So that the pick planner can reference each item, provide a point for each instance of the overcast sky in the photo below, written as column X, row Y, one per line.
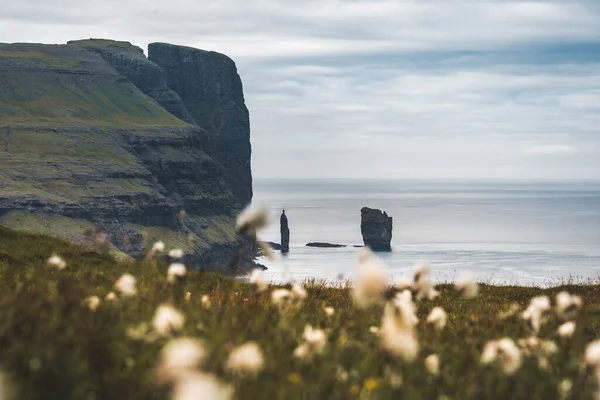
column 380, row 88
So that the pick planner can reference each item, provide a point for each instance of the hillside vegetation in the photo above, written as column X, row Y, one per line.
column 54, row 344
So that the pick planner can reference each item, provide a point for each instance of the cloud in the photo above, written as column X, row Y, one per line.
column 549, row 150
column 380, row 88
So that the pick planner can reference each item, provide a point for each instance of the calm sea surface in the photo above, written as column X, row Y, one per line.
column 527, row 233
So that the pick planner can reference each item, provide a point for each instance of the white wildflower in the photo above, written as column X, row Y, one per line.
column 397, row 327
column 179, row 356
column 568, row 305
column 281, row 298
column 112, row 296
column 167, row 320
column 298, row 293
column 538, row 348
column 401, row 310
column 252, row 219
column 176, row 253
column 399, row 342
column 567, row 329
column 258, row 278
column 158, row 247
column 374, row 330
column 92, row 302
column 126, row 285
column 402, row 283
column 205, row 301
column 329, row 311
column 564, row 389
column 314, row 341
column 432, row 363
column 466, row 286
column 371, row 281
column 246, row 360
column 437, row 318
column 537, row 311
column 505, row 352
column 592, row 355
column 188, row 297
column 194, row 386
column 176, row 273
column 423, row 285
column 58, row 262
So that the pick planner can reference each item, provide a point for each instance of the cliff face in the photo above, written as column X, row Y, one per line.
column 211, row 89
column 90, row 140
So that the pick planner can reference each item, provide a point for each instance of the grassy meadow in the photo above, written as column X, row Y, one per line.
column 54, row 345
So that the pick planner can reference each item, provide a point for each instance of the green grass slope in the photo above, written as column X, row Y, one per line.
column 57, row 86
column 53, row 347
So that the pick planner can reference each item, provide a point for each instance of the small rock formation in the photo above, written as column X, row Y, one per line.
column 274, row 246
column 376, row 229
column 324, row 245
column 285, row 233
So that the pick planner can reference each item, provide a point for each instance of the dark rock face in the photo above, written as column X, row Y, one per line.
column 376, row 229
column 143, row 73
column 324, row 245
column 274, row 246
column 211, row 89
column 285, row 233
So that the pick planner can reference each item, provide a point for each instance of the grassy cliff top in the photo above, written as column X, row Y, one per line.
column 106, row 43
column 55, row 347
column 66, row 85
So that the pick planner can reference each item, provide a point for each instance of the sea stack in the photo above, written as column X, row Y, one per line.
column 285, row 233
column 376, row 229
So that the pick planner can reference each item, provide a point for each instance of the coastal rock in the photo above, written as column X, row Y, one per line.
column 274, row 246
column 324, row 245
column 285, row 233
column 376, row 229
column 211, row 89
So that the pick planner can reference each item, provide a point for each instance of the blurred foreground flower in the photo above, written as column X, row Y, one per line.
column 195, row 386
column 466, row 286
column 423, row 287
column 314, row 341
column 246, row 360
column 397, row 327
column 176, row 253
column 437, row 318
column 58, row 262
column 167, row 320
column 176, row 273
column 205, row 300
column 432, row 363
column 536, row 313
column 539, row 349
column 92, row 302
column 567, row 329
column 504, row 352
column 180, row 356
column 371, row 281
column 568, row 306
column 252, row 219
column 329, row 311
column 258, row 278
column 126, row 285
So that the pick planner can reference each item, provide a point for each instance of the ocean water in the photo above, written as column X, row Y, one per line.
column 529, row 233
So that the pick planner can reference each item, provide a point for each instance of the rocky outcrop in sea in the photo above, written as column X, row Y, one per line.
column 376, row 229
